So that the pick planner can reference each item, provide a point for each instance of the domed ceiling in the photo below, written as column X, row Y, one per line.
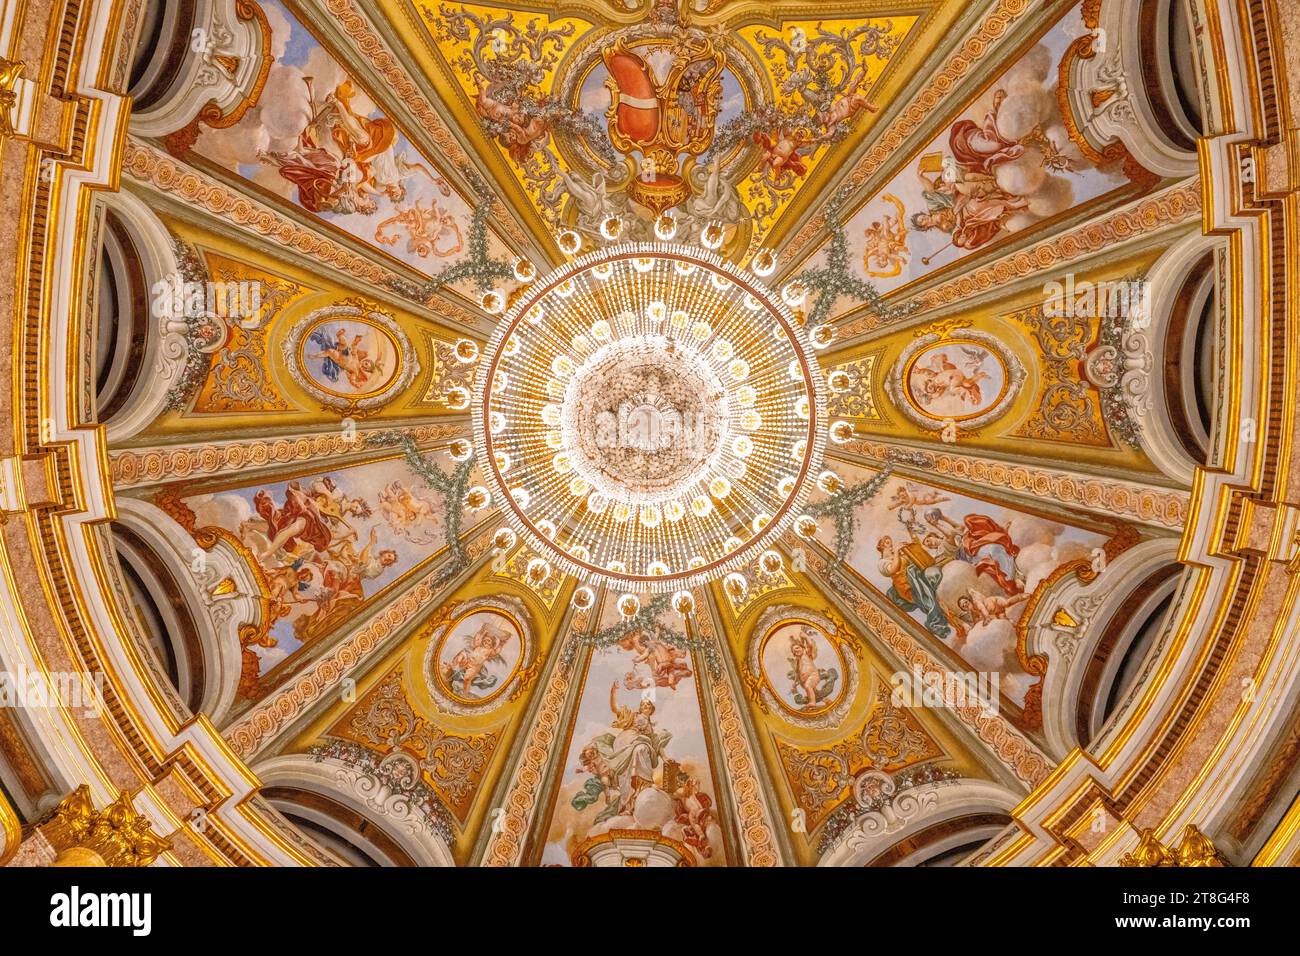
column 659, row 433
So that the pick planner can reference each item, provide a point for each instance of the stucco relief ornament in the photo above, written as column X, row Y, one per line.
column 350, row 357
column 1121, row 366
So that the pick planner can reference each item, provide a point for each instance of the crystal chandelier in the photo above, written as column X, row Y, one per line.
column 649, row 416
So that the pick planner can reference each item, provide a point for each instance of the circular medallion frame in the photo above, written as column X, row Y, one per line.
column 294, row 353
column 899, row 386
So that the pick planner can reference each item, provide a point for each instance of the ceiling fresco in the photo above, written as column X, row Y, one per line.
column 657, row 433
column 582, row 637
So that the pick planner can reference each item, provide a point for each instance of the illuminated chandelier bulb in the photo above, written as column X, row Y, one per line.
column 525, row 271
column 551, row 414
column 460, row 449
column 797, row 449
column 500, row 381
column 535, row 314
column 674, row 510
column 538, row 571
column 496, row 423
column 611, row 228
column 457, row 398
column 723, row 350
column 712, row 234
column 603, row 270
column 731, row 544
column 745, row 395
column 617, row 567
column 795, row 371
column 803, row 408
column 521, row 496
column 477, row 498
column 763, row 263
column 697, row 561
column 600, row 331
column 752, row 303
column 794, row 292
column 751, row 420
column 841, row 432
column 621, row 512
column 658, row 569
column 701, row 506
column 839, row 380
column 579, row 488
column 547, row 527
column 643, row 263
column 829, row 482
column 580, row 553
column 629, row 605
column 651, row 516
column 684, row 603
column 597, row 503
column 743, row 446
column 738, row 370
column 720, row 282
column 771, row 562
column 565, row 289
column 760, row 522
column 719, row 487
column 678, row 320
column 502, row 461
column 504, row 539
column 584, row 598
column 701, row 331
column 493, row 302
column 554, row 438
column 785, row 487
column 561, row 463
column 666, row 226
column 656, row 312
column 466, row 351
column 805, row 526
column 581, row 344
column 570, row 242
column 821, row 336
column 511, row 346
column 683, row 267
column 562, row 366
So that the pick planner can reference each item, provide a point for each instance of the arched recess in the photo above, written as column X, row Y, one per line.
column 913, row 826
column 1178, row 347
column 214, row 60
column 1080, row 628
column 140, row 357
column 1168, row 61
column 351, row 814
column 1112, row 99
column 163, row 41
column 211, row 593
column 1190, row 369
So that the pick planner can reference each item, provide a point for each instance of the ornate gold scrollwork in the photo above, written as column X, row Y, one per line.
column 1194, row 850
column 116, row 836
column 10, row 72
